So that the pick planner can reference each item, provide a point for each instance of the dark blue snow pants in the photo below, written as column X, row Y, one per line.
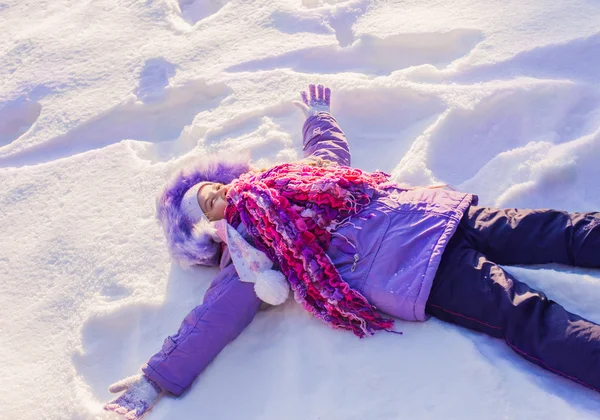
column 471, row 290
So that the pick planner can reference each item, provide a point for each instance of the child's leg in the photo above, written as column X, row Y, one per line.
column 471, row 291
column 512, row 236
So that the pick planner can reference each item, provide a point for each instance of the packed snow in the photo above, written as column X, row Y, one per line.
column 100, row 101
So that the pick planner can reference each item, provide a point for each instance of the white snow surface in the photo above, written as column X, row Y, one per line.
column 100, row 101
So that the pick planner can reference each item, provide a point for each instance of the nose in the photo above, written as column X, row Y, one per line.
column 223, row 191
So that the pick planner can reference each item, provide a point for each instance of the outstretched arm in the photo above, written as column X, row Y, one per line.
column 323, row 137
column 229, row 306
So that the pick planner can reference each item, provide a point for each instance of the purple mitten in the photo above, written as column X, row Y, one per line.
column 140, row 395
column 320, row 100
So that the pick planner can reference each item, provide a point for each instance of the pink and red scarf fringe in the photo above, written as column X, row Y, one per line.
column 289, row 211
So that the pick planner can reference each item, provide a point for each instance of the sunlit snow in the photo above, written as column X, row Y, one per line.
column 100, row 101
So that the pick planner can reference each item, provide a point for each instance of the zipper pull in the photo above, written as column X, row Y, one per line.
column 356, row 257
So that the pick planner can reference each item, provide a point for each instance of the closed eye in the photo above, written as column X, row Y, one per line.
column 215, row 189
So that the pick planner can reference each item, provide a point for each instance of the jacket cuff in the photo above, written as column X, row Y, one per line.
column 162, row 382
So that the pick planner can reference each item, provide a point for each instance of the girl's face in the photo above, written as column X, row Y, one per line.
column 211, row 198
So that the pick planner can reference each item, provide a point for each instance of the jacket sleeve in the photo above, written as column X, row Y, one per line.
column 323, row 138
column 229, row 306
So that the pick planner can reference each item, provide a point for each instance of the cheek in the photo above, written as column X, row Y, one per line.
column 220, row 206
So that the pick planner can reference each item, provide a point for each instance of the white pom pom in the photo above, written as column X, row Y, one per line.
column 272, row 287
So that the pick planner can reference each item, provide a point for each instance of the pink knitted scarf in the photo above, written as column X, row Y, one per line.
column 289, row 211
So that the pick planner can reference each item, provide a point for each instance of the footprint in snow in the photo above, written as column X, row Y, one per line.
column 194, row 11
column 16, row 118
column 313, row 4
column 324, row 20
column 154, row 78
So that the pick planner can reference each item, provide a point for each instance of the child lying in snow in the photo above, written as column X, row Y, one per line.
column 350, row 243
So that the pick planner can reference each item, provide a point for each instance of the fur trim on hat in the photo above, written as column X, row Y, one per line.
column 192, row 243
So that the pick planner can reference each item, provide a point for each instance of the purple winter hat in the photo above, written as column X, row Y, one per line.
column 193, row 243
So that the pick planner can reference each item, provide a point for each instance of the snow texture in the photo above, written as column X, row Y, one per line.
column 100, row 101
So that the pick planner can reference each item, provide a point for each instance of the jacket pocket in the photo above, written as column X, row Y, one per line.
column 354, row 246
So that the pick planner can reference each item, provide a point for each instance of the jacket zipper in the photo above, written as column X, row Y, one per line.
column 356, row 258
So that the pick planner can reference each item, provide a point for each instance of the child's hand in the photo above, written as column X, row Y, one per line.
column 140, row 395
column 320, row 100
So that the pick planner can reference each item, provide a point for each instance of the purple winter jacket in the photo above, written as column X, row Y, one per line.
column 389, row 253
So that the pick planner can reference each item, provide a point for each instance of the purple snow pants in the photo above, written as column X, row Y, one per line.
column 471, row 290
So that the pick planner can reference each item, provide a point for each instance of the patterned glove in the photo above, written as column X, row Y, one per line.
column 320, row 101
column 140, row 395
